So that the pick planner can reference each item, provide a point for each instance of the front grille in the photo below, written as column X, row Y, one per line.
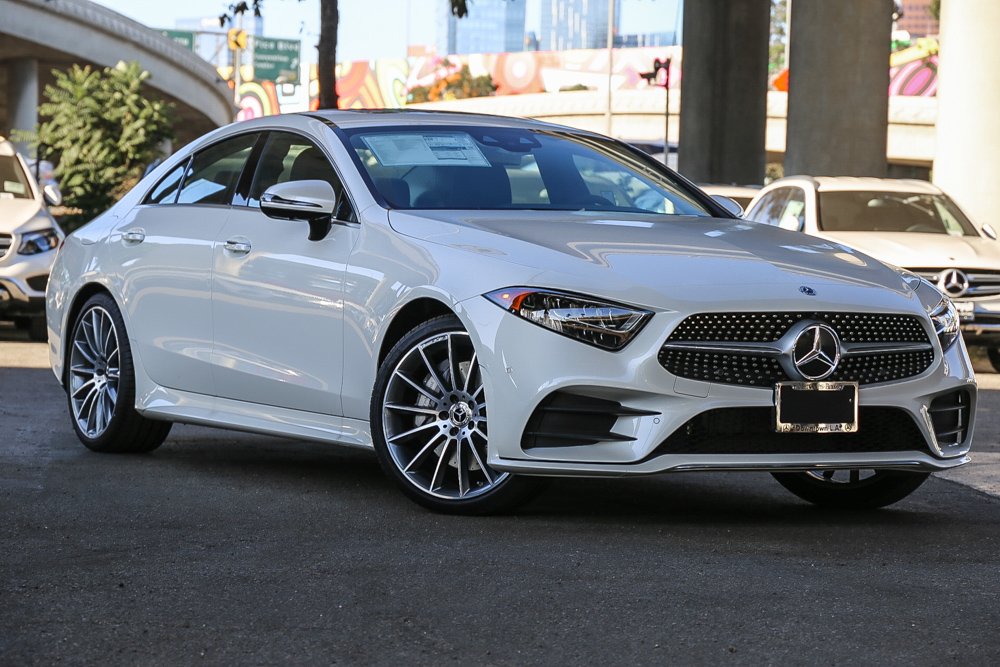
column 982, row 282
column 564, row 419
column 751, row 431
column 5, row 241
column 950, row 416
column 748, row 368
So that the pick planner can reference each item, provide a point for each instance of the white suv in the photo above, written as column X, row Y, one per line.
column 28, row 238
column 909, row 223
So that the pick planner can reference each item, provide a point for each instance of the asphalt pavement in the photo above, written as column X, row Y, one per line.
column 227, row 548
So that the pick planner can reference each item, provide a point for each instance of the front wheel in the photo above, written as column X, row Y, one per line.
column 429, row 424
column 851, row 489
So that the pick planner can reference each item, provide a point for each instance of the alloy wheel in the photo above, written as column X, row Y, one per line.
column 842, row 476
column 94, row 368
column 435, row 421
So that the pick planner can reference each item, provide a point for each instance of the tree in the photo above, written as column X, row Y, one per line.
column 457, row 85
column 329, row 22
column 104, row 131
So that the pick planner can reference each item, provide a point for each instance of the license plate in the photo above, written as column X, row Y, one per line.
column 966, row 311
column 816, row 407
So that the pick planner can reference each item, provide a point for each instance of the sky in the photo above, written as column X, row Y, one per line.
column 369, row 29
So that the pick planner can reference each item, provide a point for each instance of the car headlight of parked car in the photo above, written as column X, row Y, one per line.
column 609, row 326
column 43, row 240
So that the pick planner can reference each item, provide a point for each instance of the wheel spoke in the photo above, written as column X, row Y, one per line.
column 415, row 409
column 422, row 427
column 439, row 469
column 429, row 447
column 479, row 461
column 85, row 353
column 430, row 367
column 452, row 366
column 463, row 471
column 82, row 369
column 828, row 474
column 423, row 390
column 89, row 384
column 468, row 375
column 855, row 476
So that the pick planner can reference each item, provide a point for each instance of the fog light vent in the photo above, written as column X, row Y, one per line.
column 950, row 415
column 568, row 420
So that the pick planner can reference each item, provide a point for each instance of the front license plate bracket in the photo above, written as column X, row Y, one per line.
column 816, row 407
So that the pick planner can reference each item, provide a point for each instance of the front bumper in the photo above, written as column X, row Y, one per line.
column 524, row 363
column 23, row 280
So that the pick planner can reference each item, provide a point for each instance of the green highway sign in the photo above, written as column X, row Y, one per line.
column 183, row 37
column 276, row 59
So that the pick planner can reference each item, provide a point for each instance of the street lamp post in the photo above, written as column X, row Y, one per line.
column 611, row 60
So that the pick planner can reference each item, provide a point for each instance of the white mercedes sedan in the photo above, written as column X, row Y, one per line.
column 487, row 302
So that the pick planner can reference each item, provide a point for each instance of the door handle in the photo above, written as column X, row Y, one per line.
column 237, row 247
column 134, row 236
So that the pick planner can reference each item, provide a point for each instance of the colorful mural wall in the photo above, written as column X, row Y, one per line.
column 386, row 83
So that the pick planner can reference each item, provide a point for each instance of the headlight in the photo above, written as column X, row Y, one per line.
column 43, row 240
column 609, row 326
column 945, row 319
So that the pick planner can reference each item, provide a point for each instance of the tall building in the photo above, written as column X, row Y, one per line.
column 492, row 26
column 575, row 24
column 916, row 18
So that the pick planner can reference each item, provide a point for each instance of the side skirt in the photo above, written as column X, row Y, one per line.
column 189, row 408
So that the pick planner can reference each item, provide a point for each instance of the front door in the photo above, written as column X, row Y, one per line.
column 277, row 296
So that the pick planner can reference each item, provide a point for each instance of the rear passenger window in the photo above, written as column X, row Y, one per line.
column 215, row 171
column 165, row 191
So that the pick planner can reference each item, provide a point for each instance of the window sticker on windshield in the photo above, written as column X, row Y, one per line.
column 426, row 149
column 14, row 187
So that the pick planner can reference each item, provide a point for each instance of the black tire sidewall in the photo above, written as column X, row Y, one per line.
column 886, row 488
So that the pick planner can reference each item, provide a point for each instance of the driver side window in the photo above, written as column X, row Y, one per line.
column 291, row 157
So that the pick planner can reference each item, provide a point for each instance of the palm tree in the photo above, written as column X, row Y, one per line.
column 329, row 20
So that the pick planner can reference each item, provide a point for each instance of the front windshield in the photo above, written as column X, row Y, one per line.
column 494, row 168
column 13, row 182
column 857, row 211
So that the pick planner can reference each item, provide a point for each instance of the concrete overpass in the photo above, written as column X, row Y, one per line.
column 37, row 36
column 638, row 116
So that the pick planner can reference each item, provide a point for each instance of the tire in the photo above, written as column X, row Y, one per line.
column 994, row 355
column 428, row 417
column 101, row 395
column 855, row 490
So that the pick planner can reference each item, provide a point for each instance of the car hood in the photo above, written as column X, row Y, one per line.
column 14, row 213
column 914, row 250
column 665, row 261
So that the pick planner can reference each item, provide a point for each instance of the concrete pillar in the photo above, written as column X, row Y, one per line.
column 22, row 85
column 724, row 91
column 838, row 87
column 966, row 164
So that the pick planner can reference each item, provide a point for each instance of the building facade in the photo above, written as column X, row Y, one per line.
column 492, row 26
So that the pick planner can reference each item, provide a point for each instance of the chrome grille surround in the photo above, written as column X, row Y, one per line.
column 982, row 282
column 750, row 348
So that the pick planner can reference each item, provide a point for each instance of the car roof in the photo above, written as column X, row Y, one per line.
column 861, row 183
column 361, row 118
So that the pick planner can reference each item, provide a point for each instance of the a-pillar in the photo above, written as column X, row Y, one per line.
column 22, row 83
column 724, row 91
column 966, row 165
column 838, row 87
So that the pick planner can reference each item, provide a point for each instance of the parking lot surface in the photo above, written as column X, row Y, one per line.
column 223, row 548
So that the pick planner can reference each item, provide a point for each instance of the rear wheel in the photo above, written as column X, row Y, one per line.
column 851, row 489
column 100, row 383
column 429, row 424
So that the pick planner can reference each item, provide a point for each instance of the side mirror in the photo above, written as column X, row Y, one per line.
column 51, row 195
column 989, row 231
column 729, row 204
column 311, row 201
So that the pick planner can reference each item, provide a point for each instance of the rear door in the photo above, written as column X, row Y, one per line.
column 278, row 298
column 165, row 249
